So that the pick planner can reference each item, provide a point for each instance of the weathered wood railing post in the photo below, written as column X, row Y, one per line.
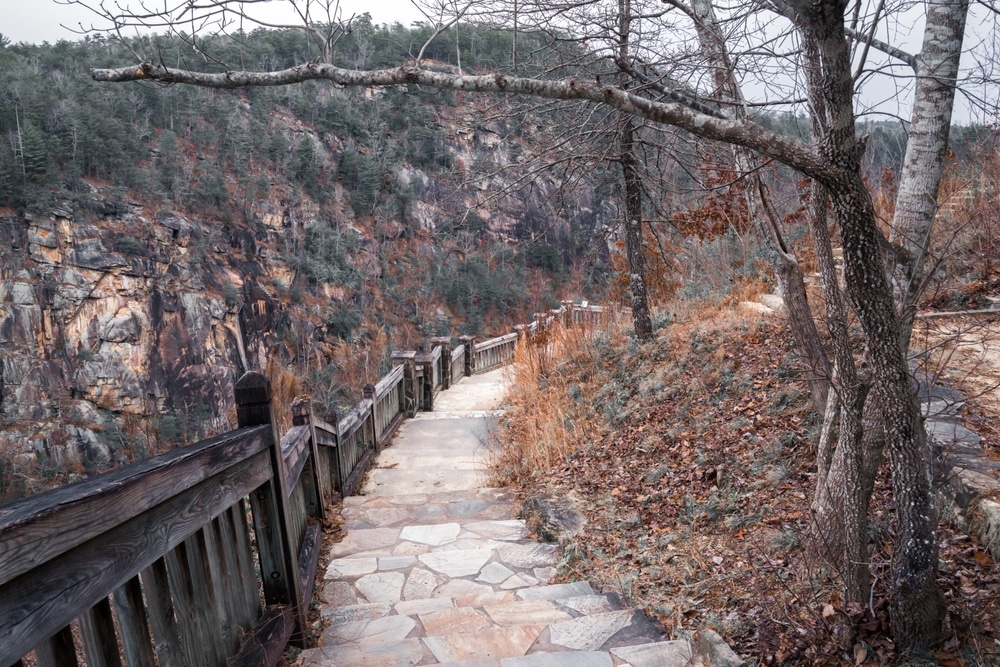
column 278, row 556
column 407, row 359
column 426, row 387
column 302, row 416
column 445, row 343
column 567, row 314
column 522, row 333
column 470, row 354
column 369, row 394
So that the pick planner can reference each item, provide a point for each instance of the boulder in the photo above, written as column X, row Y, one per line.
column 91, row 254
column 121, row 329
column 553, row 519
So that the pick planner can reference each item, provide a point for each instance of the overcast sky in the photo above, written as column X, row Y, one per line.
column 38, row 21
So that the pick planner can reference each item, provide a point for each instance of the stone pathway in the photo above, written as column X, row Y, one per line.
column 435, row 571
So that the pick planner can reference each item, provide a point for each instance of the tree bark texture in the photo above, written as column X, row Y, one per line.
column 927, row 143
column 634, row 251
column 633, row 233
column 916, row 610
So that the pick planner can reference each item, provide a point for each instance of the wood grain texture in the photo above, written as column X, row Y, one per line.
column 137, row 644
column 41, row 601
column 56, row 651
column 309, row 560
column 34, row 530
column 222, row 578
column 193, row 645
column 161, row 615
column 97, row 630
column 249, row 572
column 357, row 475
column 206, row 607
column 297, row 453
column 392, row 378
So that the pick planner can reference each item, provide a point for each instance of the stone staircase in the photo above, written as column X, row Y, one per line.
column 447, row 578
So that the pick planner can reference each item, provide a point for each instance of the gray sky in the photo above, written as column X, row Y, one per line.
column 37, row 21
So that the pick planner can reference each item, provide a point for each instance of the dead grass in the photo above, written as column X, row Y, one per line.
column 544, row 424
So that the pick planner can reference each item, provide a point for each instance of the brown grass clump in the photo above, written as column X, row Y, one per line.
column 543, row 426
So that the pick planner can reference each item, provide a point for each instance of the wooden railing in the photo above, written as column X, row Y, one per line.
column 207, row 555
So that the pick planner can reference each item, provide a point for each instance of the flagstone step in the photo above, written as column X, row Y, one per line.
column 448, row 615
column 502, row 648
column 361, row 512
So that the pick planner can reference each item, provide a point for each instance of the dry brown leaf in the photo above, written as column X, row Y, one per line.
column 982, row 558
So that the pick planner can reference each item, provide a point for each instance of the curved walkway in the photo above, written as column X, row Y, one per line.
column 435, row 571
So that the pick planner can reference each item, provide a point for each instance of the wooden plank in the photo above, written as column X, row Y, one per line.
column 97, row 630
column 294, row 439
column 294, row 451
column 160, row 606
column 205, row 605
column 295, row 465
column 249, row 575
column 494, row 342
column 270, row 545
column 355, row 418
column 321, row 425
column 33, row 530
column 194, row 649
column 326, row 438
column 394, row 425
column 224, row 578
column 43, row 600
column 309, row 560
column 354, row 480
column 265, row 644
column 137, row 644
column 57, row 650
column 317, row 486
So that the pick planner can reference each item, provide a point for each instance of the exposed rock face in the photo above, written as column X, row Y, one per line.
column 88, row 334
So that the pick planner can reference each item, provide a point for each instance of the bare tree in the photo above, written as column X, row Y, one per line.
column 795, row 52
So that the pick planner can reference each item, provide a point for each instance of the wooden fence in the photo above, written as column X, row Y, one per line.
column 207, row 554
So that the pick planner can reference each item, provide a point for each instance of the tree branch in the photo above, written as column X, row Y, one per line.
column 789, row 150
column 888, row 49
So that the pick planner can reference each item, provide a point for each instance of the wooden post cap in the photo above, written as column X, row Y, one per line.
column 301, row 409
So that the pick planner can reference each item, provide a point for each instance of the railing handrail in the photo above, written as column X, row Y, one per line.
column 37, row 604
column 28, row 533
column 493, row 342
column 389, row 380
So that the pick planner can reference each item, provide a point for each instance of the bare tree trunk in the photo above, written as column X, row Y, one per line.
column 923, row 165
column 633, row 195
column 917, row 608
column 633, row 233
